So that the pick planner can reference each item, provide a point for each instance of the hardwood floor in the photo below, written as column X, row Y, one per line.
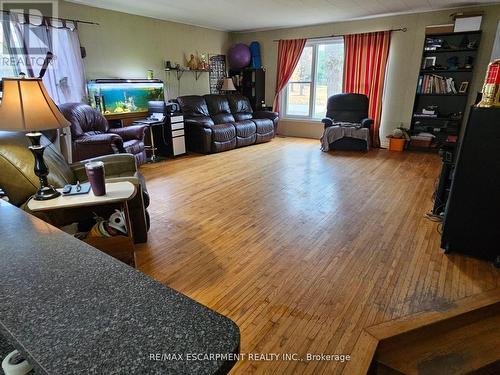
column 303, row 249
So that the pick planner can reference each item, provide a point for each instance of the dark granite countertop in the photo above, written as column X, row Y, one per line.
column 70, row 308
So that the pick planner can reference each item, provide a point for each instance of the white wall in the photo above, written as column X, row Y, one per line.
column 495, row 53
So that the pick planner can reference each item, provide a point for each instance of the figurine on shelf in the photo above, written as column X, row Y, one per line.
column 192, row 63
column 203, row 64
column 491, row 87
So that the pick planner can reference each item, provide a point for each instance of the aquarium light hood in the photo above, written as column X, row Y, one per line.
column 123, row 80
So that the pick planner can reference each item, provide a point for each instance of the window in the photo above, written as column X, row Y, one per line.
column 318, row 76
column 7, row 69
column 64, row 78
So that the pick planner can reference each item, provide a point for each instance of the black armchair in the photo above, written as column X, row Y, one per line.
column 92, row 137
column 351, row 108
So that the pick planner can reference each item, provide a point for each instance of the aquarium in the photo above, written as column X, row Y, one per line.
column 119, row 96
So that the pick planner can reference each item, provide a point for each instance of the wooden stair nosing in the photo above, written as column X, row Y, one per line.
column 370, row 338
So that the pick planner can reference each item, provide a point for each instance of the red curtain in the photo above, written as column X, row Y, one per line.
column 289, row 52
column 364, row 71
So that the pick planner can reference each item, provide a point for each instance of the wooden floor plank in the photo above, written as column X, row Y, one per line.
column 303, row 249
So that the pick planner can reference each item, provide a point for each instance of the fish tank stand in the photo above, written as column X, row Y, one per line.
column 118, row 120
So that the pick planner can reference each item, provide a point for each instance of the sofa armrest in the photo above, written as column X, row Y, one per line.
column 92, row 145
column 266, row 114
column 198, row 136
column 130, row 132
column 327, row 121
column 366, row 123
column 100, row 139
column 115, row 166
column 198, row 123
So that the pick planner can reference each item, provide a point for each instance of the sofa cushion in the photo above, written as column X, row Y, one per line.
column 347, row 107
column 222, row 118
column 83, row 119
column 245, row 128
column 193, row 106
column 240, row 107
column 245, row 133
column 223, row 132
column 242, row 116
column 263, row 125
column 264, row 137
column 223, row 146
column 219, row 110
column 17, row 176
column 246, row 141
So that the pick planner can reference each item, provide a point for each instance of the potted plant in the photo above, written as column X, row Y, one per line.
column 398, row 139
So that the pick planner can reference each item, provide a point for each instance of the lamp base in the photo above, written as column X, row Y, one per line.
column 46, row 193
column 46, row 190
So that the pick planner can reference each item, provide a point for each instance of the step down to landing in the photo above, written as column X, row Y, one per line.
column 462, row 340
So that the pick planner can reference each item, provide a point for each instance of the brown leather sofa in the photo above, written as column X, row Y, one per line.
column 215, row 123
column 18, row 180
column 91, row 135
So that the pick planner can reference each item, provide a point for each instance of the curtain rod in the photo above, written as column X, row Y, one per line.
column 403, row 29
column 52, row 18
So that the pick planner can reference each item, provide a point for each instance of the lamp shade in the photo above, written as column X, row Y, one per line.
column 27, row 107
column 228, row 85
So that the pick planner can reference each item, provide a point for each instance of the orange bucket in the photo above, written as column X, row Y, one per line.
column 397, row 144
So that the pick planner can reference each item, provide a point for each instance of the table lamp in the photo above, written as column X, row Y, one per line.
column 27, row 107
column 228, row 85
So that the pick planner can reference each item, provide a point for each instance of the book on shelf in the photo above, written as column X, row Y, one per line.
column 435, row 84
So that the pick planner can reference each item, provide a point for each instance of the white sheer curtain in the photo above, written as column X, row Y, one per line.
column 65, row 77
column 29, row 39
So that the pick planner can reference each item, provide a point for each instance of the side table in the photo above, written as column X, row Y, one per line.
column 120, row 247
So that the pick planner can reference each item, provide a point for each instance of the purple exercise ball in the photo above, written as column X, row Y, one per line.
column 239, row 56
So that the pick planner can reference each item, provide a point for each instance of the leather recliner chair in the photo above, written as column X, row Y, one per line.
column 19, row 182
column 215, row 123
column 351, row 108
column 91, row 135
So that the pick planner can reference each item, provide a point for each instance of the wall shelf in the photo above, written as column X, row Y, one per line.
column 179, row 72
column 450, row 50
column 457, row 94
column 439, row 118
column 437, row 71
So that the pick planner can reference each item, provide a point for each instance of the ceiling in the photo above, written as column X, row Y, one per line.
column 243, row 15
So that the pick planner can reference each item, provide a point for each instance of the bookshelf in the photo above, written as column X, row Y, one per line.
column 443, row 86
